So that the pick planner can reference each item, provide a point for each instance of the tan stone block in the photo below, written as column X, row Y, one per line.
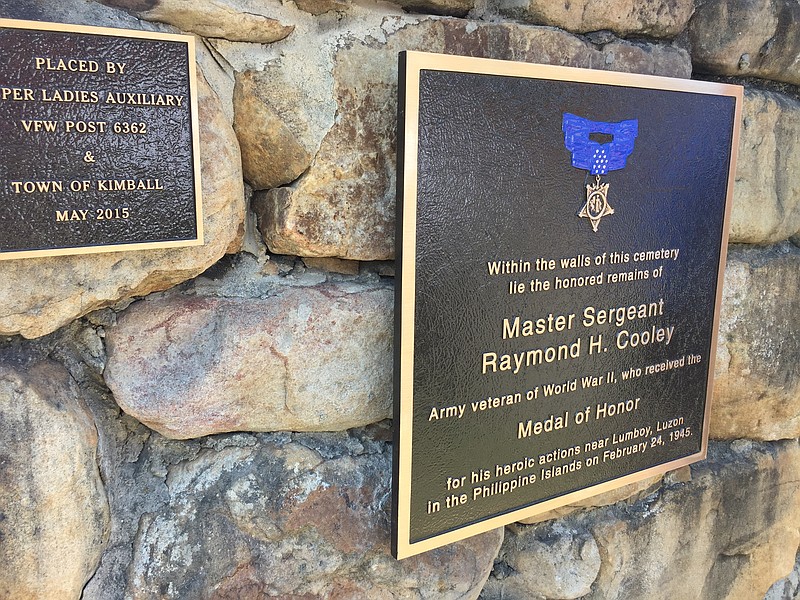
column 757, row 371
column 54, row 517
column 456, row 8
column 235, row 20
column 333, row 265
column 274, row 151
column 302, row 359
column 320, row 7
column 729, row 533
column 662, row 19
column 766, row 201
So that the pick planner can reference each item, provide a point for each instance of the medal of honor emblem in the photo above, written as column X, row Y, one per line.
column 597, row 205
column 598, row 158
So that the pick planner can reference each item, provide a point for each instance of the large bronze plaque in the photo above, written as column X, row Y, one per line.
column 561, row 242
column 100, row 144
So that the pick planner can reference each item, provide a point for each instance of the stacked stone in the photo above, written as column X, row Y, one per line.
column 211, row 422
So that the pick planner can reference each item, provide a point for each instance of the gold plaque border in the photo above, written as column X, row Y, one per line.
column 415, row 63
column 189, row 40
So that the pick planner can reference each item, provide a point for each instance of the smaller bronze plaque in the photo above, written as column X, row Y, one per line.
column 100, row 146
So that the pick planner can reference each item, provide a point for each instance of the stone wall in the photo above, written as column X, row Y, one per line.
column 212, row 422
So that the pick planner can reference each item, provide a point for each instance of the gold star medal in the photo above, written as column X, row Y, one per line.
column 597, row 205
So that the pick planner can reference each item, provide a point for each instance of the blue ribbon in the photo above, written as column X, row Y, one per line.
column 593, row 156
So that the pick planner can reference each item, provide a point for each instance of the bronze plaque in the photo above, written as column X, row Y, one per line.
column 561, row 245
column 100, row 140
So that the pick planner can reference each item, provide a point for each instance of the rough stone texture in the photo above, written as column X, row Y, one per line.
column 304, row 359
column 235, row 20
column 757, row 38
column 275, row 145
column 334, row 265
column 728, row 534
column 305, row 516
column 766, row 206
column 663, row 18
column 787, row 588
column 79, row 12
column 456, row 8
column 53, row 511
column 320, row 7
column 247, row 516
column 757, row 371
column 344, row 204
column 630, row 492
column 545, row 565
column 68, row 287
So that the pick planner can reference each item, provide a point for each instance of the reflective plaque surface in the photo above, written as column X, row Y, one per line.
column 561, row 240
column 99, row 140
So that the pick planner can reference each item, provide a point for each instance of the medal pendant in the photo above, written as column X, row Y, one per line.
column 597, row 205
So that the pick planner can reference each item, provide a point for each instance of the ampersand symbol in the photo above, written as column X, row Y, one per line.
column 88, row 157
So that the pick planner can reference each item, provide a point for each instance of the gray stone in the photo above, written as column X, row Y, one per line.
column 766, row 205
column 660, row 19
column 729, row 533
column 315, row 358
column 343, row 205
column 550, row 562
column 787, row 588
column 630, row 492
column 247, row 516
column 757, row 371
column 54, row 517
column 235, row 20
column 68, row 287
column 78, row 12
column 758, row 38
